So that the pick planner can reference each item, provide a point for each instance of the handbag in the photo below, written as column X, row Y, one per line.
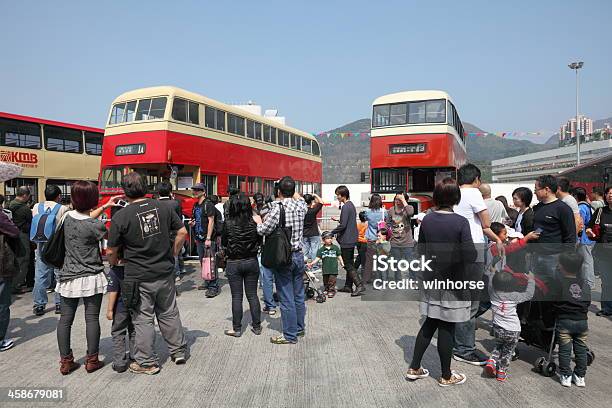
column 276, row 252
column 208, row 265
column 54, row 251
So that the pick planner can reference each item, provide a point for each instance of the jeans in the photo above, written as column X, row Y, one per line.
column 23, row 260
column 605, row 262
column 244, row 273
column 157, row 300
column 545, row 268
column 290, row 287
column 42, row 279
column 5, row 305
column 572, row 332
column 361, row 254
column 588, row 267
column 179, row 263
column 465, row 333
column 311, row 246
column 398, row 253
column 266, row 277
column 92, row 323
column 212, row 284
column 348, row 257
column 122, row 326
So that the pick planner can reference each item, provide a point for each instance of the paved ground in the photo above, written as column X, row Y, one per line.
column 354, row 355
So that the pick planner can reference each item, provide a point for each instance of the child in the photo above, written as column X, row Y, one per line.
column 122, row 322
column 506, row 293
column 330, row 255
column 362, row 242
column 383, row 247
column 571, row 306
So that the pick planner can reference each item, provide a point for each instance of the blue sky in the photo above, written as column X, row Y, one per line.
column 321, row 63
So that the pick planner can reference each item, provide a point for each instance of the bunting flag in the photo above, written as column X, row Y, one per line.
column 365, row 135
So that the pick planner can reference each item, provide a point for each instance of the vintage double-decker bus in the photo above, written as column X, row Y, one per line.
column 594, row 174
column 167, row 133
column 50, row 152
column 417, row 139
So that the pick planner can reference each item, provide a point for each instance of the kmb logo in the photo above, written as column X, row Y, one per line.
column 27, row 159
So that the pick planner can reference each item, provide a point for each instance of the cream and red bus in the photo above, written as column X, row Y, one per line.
column 50, row 152
column 417, row 139
column 167, row 133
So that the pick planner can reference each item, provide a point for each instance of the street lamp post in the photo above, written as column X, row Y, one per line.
column 576, row 66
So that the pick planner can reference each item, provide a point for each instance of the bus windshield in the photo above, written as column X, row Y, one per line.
column 111, row 178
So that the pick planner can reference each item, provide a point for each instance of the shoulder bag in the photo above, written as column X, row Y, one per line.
column 276, row 252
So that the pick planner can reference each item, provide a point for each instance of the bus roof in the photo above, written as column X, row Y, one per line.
column 407, row 96
column 49, row 122
column 172, row 91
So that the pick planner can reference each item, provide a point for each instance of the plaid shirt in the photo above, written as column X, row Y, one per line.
column 295, row 210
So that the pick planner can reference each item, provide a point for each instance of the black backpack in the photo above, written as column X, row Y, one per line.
column 276, row 252
column 218, row 228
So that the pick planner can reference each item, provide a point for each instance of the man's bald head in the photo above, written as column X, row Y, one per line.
column 485, row 190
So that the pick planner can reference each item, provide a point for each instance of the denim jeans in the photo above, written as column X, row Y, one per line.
column 398, row 253
column 212, row 284
column 42, row 279
column 465, row 333
column 290, row 287
column 572, row 333
column 588, row 267
column 266, row 277
column 242, row 275
column 311, row 246
column 5, row 304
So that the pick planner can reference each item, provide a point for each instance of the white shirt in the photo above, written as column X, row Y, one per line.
column 470, row 205
column 497, row 211
column 219, row 206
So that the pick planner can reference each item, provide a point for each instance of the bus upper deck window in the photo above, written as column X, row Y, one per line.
column 380, row 116
column 142, row 113
column 436, row 111
column 158, row 108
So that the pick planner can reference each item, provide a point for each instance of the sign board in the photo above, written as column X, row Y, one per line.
column 24, row 159
column 126, row 150
column 408, row 148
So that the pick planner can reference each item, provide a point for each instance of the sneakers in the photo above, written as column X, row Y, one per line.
column 281, row 340
column 501, row 376
column 138, row 369
column 119, row 368
column 345, row 289
column 271, row 312
column 232, row 333
column 301, row 333
column 256, row 330
column 38, row 310
column 473, row 358
column 178, row 359
column 565, row 380
column 211, row 292
column 491, row 368
column 6, row 345
column 579, row 381
column 455, row 379
column 414, row 375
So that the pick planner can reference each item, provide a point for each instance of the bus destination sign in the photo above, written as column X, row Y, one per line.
column 408, row 148
column 126, row 150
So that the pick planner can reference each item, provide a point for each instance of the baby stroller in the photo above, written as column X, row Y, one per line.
column 310, row 287
column 538, row 328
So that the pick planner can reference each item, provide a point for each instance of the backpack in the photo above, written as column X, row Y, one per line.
column 218, row 228
column 276, row 252
column 43, row 224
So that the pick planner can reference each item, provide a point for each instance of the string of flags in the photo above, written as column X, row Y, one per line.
column 365, row 135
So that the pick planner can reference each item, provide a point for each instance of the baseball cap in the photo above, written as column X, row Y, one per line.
column 199, row 186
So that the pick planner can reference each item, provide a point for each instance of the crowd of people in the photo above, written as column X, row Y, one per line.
column 551, row 251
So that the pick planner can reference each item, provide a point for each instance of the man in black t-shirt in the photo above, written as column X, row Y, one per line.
column 141, row 231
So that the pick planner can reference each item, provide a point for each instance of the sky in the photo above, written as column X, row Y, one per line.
column 320, row 63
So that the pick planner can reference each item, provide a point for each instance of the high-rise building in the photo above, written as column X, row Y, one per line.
column 585, row 127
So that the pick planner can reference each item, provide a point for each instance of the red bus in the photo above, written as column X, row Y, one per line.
column 596, row 173
column 417, row 139
column 166, row 133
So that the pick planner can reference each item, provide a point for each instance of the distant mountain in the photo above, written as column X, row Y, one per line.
column 345, row 159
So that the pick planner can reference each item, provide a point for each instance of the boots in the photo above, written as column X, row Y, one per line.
column 67, row 364
column 92, row 364
column 359, row 288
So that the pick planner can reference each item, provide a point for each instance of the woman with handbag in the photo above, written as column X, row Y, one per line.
column 600, row 230
column 241, row 242
column 82, row 274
